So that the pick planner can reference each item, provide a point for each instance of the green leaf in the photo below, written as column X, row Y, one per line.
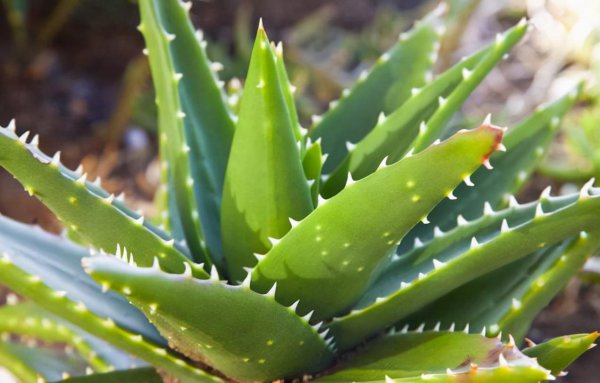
column 265, row 184
column 139, row 375
column 438, row 357
column 427, row 112
column 26, row 319
column 526, row 143
column 208, row 123
column 465, row 264
column 77, row 313
column 57, row 262
column 508, row 299
column 93, row 215
column 558, row 353
column 405, row 66
column 29, row 363
column 437, row 123
column 312, row 163
column 343, row 240
column 274, row 342
column 174, row 147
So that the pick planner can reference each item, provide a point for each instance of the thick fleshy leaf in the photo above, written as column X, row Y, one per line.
column 443, row 357
column 343, row 241
column 77, row 313
column 208, row 123
column 397, row 131
column 470, row 261
column 405, row 66
column 28, row 320
column 29, row 364
column 275, row 342
column 140, row 375
column 57, row 263
column 91, row 215
column 265, row 184
column 508, row 299
column 174, row 146
column 425, row 114
column 436, row 125
column 558, row 353
column 526, row 143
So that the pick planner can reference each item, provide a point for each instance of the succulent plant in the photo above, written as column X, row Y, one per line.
column 392, row 257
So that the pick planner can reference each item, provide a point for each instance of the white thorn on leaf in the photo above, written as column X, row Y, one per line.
column 585, row 190
column 418, row 242
column 487, row 208
column 546, row 192
column 350, row 146
column 467, row 181
column 187, row 270
column 488, row 119
column 539, row 211
column 23, row 137
column 460, row 220
column 271, row 292
column 487, row 164
column 504, row 227
column 474, row 243
column 55, row 159
column 502, row 360
column 438, row 264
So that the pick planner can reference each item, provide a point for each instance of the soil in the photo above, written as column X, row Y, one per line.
column 66, row 92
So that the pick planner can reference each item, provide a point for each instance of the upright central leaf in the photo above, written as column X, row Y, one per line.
column 265, row 184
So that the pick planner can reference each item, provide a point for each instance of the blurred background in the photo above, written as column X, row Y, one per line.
column 73, row 72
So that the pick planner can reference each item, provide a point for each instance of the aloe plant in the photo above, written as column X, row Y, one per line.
column 364, row 249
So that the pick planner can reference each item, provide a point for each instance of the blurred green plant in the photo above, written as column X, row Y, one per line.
column 395, row 254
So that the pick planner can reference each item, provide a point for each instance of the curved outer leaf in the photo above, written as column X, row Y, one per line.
column 26, row 319
column 175, row 150
column 508, row 299
column 439, row 357
column 396, row 132
column 425, row 114
column 529, row 299
column 545, row 229
column 90, row 215
column 558, row 353
column 30, row 364
column 208, row 124
column 437, row 123
column 276, row 343
column 406, row 65
column 342, row 241
column 140, row 375
column 525, row 143
column 55, row 302
column 57, row 262
column 265, row 184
